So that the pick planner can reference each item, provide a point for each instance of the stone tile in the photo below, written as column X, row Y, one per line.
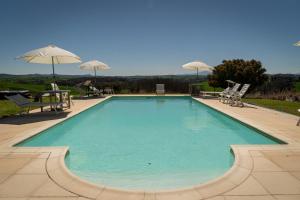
column 217, row 198
column 35, row 166
column 215, row 189
column 9, row 166
column 82, row 198
column 290, row 163
column 3, row 177
column 264, row 164
column 249, row 198
column 249, row 187
column 150, row 196
column 256, row 153
column 49, row 188
column 272, row 153
column 22, row 155
column 246, row 161
column 83, row 189
column 60, row 177
column 54, row 198
column 296, row 174
column 3, row 154
column 108, row 194
column 238, row 175
column 25, row 149
column 53, row 164
column 21, row 185
column 12, row 198
column 278, row 182
column 287, row 197
column 186, row 195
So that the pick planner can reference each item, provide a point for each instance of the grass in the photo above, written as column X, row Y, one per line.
column 203, row 86
column 297, row 86
column 284, row 106
column 8, row 108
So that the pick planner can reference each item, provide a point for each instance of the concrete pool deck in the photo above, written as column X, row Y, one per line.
column 262, row 172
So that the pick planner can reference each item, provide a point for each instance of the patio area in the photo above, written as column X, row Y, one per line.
column 260, row 172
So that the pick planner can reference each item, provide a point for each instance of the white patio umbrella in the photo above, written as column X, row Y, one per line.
column 94, row 65
column 297, row 44
column 197, row 65
column 50, row 55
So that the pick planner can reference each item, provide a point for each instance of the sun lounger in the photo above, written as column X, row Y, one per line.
column 109, row 91
column 228, row 91
column 95, row 91
column 236, row 98
column 223, row 93
column 64, row 94
column 23, row 102
column 160, row 89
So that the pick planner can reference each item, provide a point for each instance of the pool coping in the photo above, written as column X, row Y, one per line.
column 62, row 176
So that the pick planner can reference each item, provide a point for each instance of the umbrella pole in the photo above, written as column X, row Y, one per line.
column 197, row 74
column 95, row 76
column 53, row 73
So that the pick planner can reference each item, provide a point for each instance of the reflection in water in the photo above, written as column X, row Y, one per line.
column 160, row 102
column 199, row 121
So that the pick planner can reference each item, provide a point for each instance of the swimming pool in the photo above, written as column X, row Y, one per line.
column 149, row 143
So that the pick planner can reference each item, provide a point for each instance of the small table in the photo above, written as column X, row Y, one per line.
column 59, row 94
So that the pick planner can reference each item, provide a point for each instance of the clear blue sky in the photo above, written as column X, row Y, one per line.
column 137, row 37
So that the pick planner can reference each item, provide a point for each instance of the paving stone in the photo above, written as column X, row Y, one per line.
column 21, row 185
column 54, row 198
column 35, row 166
column 249, row 187
column 9, row 166
column 49, row 188
column 150, row 196
column 296, row 174
column 3, row 177
column 278, row 182
column 289, row 163
column 287, row 197
column 108, row 194
column 264, row 164
column 186, row 195
column 249, row 198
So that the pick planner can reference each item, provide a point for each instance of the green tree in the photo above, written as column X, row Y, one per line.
column 238, row 70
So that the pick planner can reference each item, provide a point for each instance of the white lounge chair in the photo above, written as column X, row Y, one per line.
column 109, row 90
column 55, row 87
column 160, row 89
column 23, row 102
column 95, row 91
column 228, row 91
column 236, row 98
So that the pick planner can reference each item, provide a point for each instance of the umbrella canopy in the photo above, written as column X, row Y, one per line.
column 50, row 55
column 94, row 65
column 297, row 44
column 197, row 65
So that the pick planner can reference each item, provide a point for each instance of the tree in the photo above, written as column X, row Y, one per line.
column 238, row 70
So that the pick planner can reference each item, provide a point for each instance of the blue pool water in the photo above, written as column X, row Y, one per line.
column 149, row 143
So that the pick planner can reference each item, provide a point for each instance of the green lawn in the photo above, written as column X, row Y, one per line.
column 284, row 106
column 8, row 108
